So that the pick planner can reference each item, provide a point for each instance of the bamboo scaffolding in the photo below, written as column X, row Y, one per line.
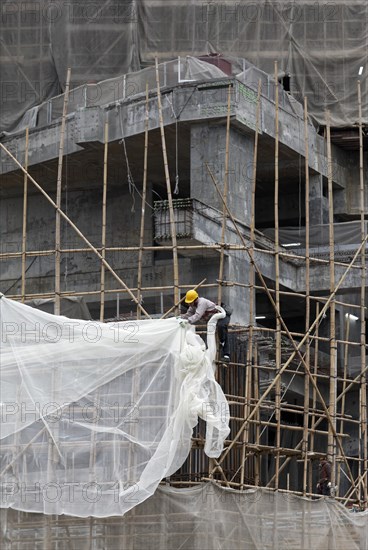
column 296, row 346
column 258, row 471
column 226, row 185
column 346, row 352
column 75, row 228
column 307, row 301
column 229, row 246
column 246, row 444
column 312, row 431
column 24, row 225
column 363, row 388
column 316, row 423
column 169, row 194
column 248, row 373
column 331, row 444
column 103, row 235
column 58, row 196
column 143, row 209
column 277, row 280
column 30, row 296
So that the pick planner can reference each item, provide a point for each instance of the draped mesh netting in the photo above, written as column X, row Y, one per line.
column 198, row 518
column 320, row 44
column 95, row 415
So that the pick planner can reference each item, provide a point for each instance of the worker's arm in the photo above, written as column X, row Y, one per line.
column 197, row 314
column 191, row 311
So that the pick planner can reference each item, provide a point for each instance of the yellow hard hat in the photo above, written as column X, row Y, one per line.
column 191, row 296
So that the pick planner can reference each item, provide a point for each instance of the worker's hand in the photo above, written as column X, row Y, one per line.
column 317, row 485
column 182, row 322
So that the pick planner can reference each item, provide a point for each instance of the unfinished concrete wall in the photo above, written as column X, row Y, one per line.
column 208, row 143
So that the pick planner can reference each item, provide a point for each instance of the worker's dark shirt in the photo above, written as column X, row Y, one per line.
column 325, row 472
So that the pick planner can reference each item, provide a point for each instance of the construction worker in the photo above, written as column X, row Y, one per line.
column 203, row 309
column 324, row 483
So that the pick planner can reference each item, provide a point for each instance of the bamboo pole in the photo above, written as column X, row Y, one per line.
column 258, row 465
column 295, row 346
column 143, row 210
column 331, row 446
column 360, row 481
column 75, row 228
column 24, row 226
column 346, row 356
column 169, row 194
column 226, row 185
column 277, row 281
column 251, row 284
column 307, row 300
column 363, row 388
column 213, row 246
column 314, row 398
column 103, row 235
column 58, row 196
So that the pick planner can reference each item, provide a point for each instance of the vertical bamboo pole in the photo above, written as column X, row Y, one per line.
column 169, row 194
column 248, row 372
column 58, row 197
column 224, row 211
column 307, row 301
column 277, row 285
column 257, row 472
column 331, row 451
column 24, row 228
column 344, row 384
column 55, row 378
column 224, row 216
column 363, row 385
column 144, row 195
column 103, row 234
column 314, row 400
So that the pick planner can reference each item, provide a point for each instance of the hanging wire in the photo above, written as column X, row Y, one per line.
column 176, row 190
column 131, row 183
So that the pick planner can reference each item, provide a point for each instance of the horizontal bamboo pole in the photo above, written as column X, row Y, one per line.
column 156, row 248
column 292, row 492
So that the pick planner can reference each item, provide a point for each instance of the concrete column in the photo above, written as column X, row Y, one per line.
column 208, row 146
column 318, row 204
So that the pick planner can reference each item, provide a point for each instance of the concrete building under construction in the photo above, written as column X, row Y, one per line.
column 227, row 156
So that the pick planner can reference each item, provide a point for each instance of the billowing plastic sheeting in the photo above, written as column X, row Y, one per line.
column 322, row 45
column 95, row 415
column 202, row 517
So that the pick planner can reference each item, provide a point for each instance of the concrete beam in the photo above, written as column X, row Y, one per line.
column 190, row 102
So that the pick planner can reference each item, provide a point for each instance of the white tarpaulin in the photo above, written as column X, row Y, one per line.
column 93, row 415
